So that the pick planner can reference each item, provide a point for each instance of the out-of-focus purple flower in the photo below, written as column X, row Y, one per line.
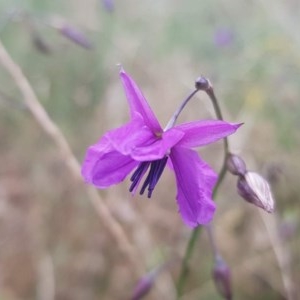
column 143, row 145
column 222, row 278
column 145, row 284
column 108, row 5
column 256, row 190
column 75, row 36
column 223, row 37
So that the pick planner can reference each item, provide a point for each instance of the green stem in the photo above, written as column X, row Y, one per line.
column 184, row 266
column 214, row 100
column 195, row 233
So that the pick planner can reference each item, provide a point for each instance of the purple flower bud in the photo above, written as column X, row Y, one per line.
column 108, row 5
column 202, row 84
column 145, row 284
column 74, row 35
column 222, row 278
column 256, row 190
column 236, row 165
column 223, row 37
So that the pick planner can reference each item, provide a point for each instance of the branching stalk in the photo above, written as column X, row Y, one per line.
column 208, row 88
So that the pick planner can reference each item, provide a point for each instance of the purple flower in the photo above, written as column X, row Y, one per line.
column 75, row 36
column 108, row 5
column 223, row 37
column 145, row 284
column 143, row 145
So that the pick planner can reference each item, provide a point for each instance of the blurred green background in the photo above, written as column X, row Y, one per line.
column 52, row 243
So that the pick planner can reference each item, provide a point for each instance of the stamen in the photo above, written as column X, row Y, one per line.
column 155, row 172
column 137, row 175
column 159, row 169
column 149, row 177
column 139, row 170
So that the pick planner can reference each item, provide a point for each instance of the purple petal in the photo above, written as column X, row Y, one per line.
column 195, row 181
column 93, row 154
column 138, row 103
column 200, row 133
column 111, row 169
column 157, row 147
column 130, row 136
column 103, row 166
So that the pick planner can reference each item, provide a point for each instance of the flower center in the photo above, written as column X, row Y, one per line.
column 158, row 134
column 156, row 169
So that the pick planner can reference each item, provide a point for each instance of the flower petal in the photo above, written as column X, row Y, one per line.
column 195, row 181
column 138, row 103
column 93, row 154
column 112, row 168
column 103, row 166
column 200, row 133
column 157, row 147
column 130, row 136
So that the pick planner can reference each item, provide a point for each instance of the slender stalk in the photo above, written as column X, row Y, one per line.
column 212, row 240
column 210, row 92
column 184, row 266
column 173, row 120
column 195, row 233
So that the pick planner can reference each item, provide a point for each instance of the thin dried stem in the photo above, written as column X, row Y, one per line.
column 43, row 119
column 46, row 279
column 281, row 252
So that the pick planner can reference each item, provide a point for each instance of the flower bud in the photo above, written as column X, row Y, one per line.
column 145, row 284
column 108, row 5
column 222, row 278
column 202, row 83
column 223, row 37
column 256, row 190
column 236, row 165
column 143, row 287
column 75, row 36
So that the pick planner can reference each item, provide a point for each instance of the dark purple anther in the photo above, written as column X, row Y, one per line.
column 156, row 169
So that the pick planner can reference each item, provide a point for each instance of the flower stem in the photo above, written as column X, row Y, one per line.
column 173, row 120
column 212, row 240
column 211, row 94
column 184, row 266
column 195, row 233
